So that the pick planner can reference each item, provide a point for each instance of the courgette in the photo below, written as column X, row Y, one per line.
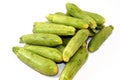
column 42, row 65
column 59, row 29
column 99, row 38
column 47, row 52
column 75, row 63
column 42, row 39
column 67, row 20
column 74, row 44
column 98, row 18
column 75, row 11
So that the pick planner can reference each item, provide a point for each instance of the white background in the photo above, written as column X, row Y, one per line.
column 17, row 18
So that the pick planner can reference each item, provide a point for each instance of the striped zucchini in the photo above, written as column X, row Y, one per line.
column 47, row 52
column 43, row 39
column 42, row 65
column 75, row 63
column 75, row 11
column 74, row 44
column 67, row 20
column 99, row 38
column 59, row 29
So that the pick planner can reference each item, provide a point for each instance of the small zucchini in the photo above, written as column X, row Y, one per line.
column 42, row 65
column 98, row 18
column 99, row 38
column 47, row 52
column 75, row 63
column 42, row 39
column 75, row 11
column 74, row 44
column 67, row 20
column 59, row 29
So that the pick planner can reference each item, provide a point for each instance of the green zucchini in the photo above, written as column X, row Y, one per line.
column 74, row 44
column 59, row 29
column 67, row 20
column 99, row 38
column 75, row 63
column 75, row 11
column 47, row 52
column 98, row 18
column 42, row 39
column 42, row 65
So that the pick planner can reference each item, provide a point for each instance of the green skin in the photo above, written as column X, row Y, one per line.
column 74, row 44
column 98, row 18
column 42, row 65
column 42, row 39
column 67, row 20
column 45, row 27
column 75, row 63
column 47, row 52
column 75, row 11
column 99, row 38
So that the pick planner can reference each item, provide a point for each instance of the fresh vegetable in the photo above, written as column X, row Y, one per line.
column 43, row 39
column 75, row 63
column 74, row 44
column 75, row 11
column 99, row 38
column 67, row 20
column 63, row 38
column 98, row 18
column 59, row 29
column 47, row 52
column 36, row 62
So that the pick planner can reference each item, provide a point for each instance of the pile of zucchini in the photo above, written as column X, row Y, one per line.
column 65, row 37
